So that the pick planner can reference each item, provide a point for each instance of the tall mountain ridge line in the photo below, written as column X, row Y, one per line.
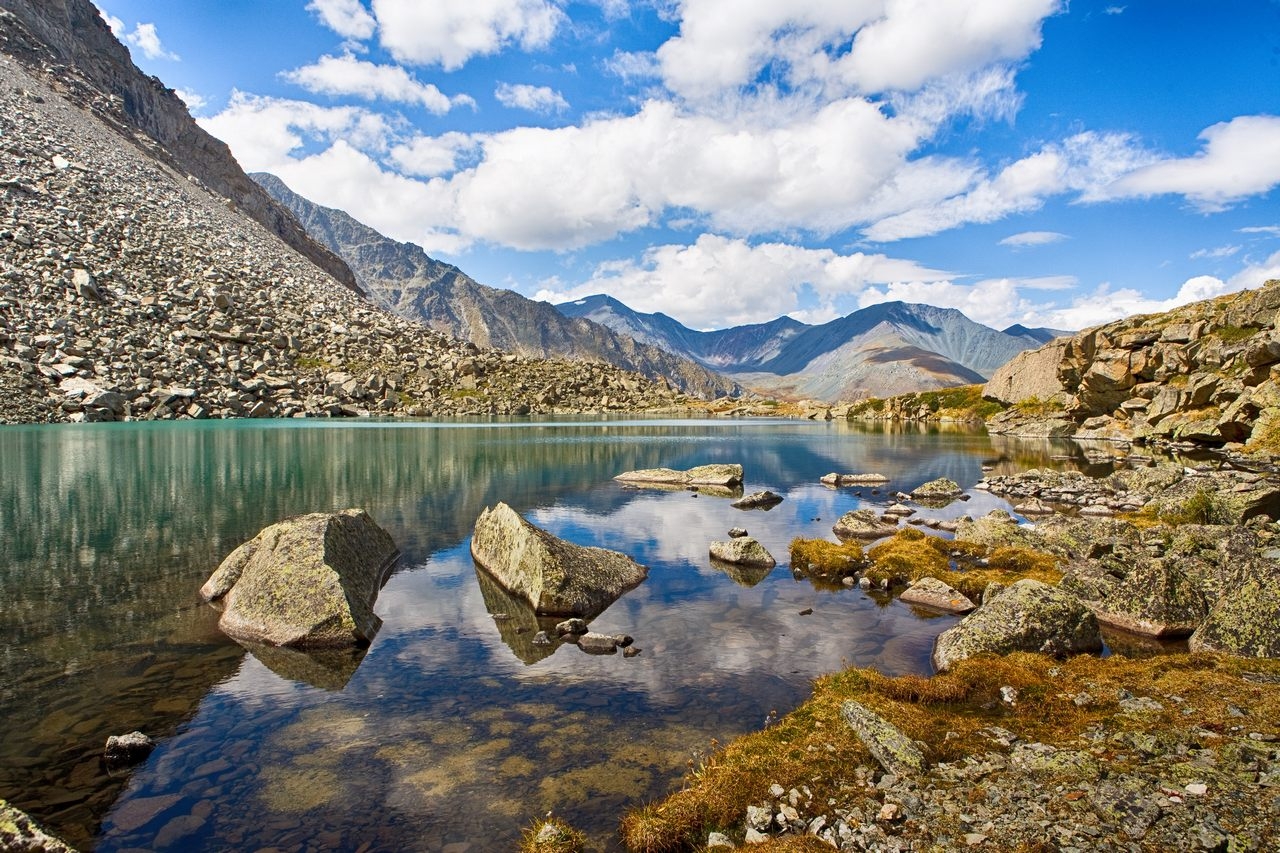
column 131, row 290
column 406, row 280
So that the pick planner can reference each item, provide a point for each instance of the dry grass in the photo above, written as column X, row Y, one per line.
column 910, row 555
column 829, row 560
column 812, row 746
column 552, row 835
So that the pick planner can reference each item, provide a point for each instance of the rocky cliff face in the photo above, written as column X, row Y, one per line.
column 67, row 43
column 1206, row 373
column 129, row 290
column 406, row 280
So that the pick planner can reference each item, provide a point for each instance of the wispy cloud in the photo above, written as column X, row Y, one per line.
column 538, row 99
column 1027, row 239
column 1214, row 254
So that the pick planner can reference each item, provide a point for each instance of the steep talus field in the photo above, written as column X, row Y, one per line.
column 406, row 280
column 1205, row 373
column 130, row 289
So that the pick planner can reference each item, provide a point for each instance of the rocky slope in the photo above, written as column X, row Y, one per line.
column 1206, row 373
column 878, row 351
column 127, row 289
column 67, row 42
column 404, row 279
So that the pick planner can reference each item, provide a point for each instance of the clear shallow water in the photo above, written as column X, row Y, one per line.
column 453, row 731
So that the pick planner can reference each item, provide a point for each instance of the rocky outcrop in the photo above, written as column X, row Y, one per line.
column 67, row 42
column 556, row 577
column 864, row 524
column 18, row 832
column 1028, row 616
column 933, row 593
column 1200, row 374
column 309, row 582
column 130, row 292
column 724, row 476
column 405, row 280
column 1243, row 622
column 743, row 551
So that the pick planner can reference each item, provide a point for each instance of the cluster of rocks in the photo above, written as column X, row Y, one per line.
column 1187, row 788
column 131, row 291
column 1205, row 373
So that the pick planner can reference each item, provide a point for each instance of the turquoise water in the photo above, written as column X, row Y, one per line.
column 453, row 731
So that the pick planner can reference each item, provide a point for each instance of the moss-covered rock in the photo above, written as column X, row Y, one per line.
column 308, row 581
column 1028, row 616
column 556, row 577
column 19, row 832
column 1245, row 622
column 895, row 752
column 863, row 524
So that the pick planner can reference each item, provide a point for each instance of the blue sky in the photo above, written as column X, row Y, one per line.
column 730, row 161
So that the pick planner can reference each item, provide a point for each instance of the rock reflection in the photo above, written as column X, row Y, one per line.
column 328, row 669
column 517, row 623
column 747, row 576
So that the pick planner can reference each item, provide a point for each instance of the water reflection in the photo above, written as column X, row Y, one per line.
column 453, row 719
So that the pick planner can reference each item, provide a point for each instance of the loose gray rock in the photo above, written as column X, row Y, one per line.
column 834, row 479
column 557, row 577
column 743, row 551
column 863, row 524
column 308, row 581
column 895, row 752
column 758, row 500
column 1028, row 616
column 933, row 593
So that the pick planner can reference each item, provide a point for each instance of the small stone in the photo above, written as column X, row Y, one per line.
column 737, row 532
column 719, row 839
column 890, row 813
column 1009, row 695
column 1197, row 789
column 128, row 748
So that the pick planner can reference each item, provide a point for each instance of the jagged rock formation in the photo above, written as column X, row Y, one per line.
column 1205, row 373
column 878, row 351
column 68, row 43
column 406, row 280
column 130, row 291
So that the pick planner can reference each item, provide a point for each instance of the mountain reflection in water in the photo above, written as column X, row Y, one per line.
column 453, row 727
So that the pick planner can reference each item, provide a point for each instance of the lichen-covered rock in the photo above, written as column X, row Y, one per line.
column 937, row 490
column 895, row 752
column 931, row 592
column 863, row 524
column 18, row 832
column 1028, row 616
column 743, row 551
column 1245, row 622
column 557, row 577
column 703, row 475
column 834, row 479
column 308, row 581
column 1157, row 598
column 758, row 500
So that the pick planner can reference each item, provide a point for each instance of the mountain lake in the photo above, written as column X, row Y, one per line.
column 452, row 731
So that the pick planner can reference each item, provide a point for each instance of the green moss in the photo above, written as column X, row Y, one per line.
column 1204, row 506
column 1234, row 334
column 1038, row 408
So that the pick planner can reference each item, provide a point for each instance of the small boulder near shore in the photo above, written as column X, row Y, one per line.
column 834, row 479
column 308, row 582
column 557, row 577
column 1029, row 616
column 725, row 476
column 864, row 524
column 933, row 593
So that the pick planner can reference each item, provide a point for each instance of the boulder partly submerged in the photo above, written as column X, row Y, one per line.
column 725, row 476
column 308, row 582
column 765, row 500
column 743, row 551
column 933, row 593
column 556, row 577
column 864, row 524
column 834, row 479
column 1029, row 616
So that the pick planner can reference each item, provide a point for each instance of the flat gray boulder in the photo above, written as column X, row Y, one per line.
column 743, row 551
column 864, row 524
column 940, row 489
column 933, row 593
column 834, row 479
column 725, row 476
column 1244, row 622
column 1029, row 616
column 894, row 751
column 556, row 577
column 758, row 500
column 308, row 582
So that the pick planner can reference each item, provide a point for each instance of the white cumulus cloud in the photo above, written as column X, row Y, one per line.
column 348, row 18
column 538, row 99
column 450, row 32
column 347, row 75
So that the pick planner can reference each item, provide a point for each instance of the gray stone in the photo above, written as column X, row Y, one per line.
column 834, row 479
column 1244, row 622
column 893, row 750
column 758, row 500
column 128, row 748
column 937, row 490
column 742, row 551
column 308, row 581
column 598, row 644
column 703, row 475
column 556, row 577
column 931, row 592
column 1027, row 616
column 863, row 524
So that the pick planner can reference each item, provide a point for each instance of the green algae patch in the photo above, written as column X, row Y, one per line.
column 1070, row 705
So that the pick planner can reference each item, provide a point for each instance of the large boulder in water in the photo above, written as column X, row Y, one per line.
column 1029, row 616
column 557, row 577
column 308, row 582
column 743, row 551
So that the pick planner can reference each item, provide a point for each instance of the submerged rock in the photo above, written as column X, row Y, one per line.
column 557, row 577
column 931, row 592
column 758, row 500
column 308, row 581
column 1244, row 622
column 1029, row 616
column 863, row 524
column 721, row 475
column 743, row 551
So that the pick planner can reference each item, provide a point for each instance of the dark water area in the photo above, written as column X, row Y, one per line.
column 452, row 731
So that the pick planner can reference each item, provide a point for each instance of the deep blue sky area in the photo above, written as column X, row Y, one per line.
column 730, row 161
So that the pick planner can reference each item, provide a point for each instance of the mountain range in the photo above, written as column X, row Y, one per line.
column 877, row 351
